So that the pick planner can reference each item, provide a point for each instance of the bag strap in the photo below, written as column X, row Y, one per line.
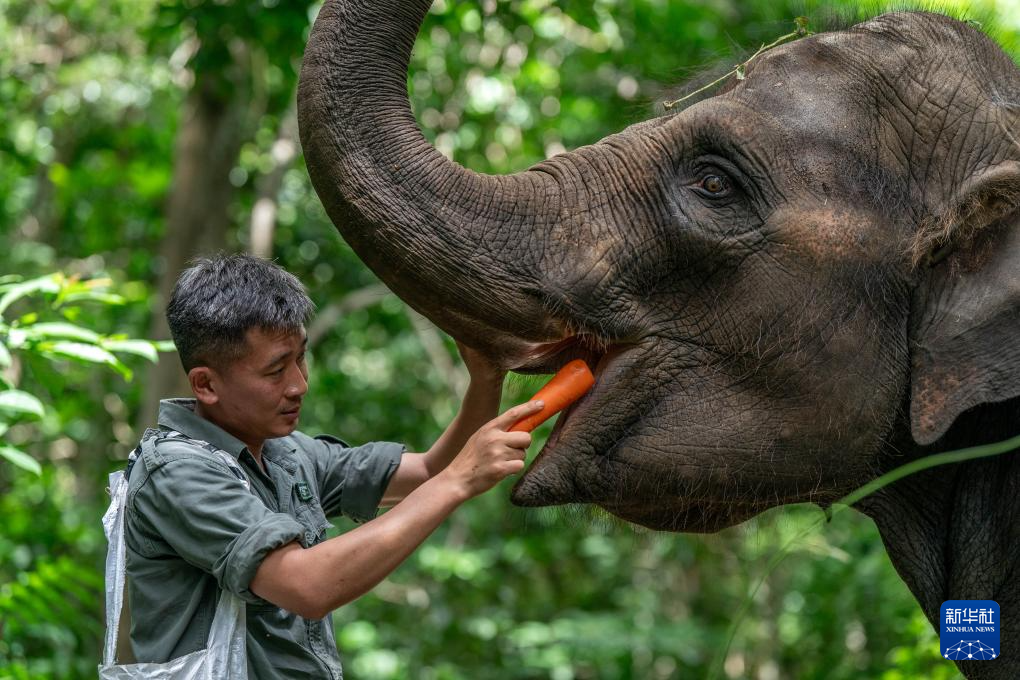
column 116, row 561
column 231, row 461
column 117, row 644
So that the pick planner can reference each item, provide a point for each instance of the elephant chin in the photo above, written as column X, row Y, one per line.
column 688, row 517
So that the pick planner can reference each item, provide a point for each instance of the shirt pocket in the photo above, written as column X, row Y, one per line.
column 309, row 513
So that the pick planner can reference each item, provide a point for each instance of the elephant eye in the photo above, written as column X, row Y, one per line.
column 714, row 185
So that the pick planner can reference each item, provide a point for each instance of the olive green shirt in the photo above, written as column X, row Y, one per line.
column 192, row 528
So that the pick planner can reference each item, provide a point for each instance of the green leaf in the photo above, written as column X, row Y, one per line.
column 20, row 459
column 75, row 288
column 21, row 403
column 47, row 284
column 5, row 356
column 86, row 353
column 59, row 329
column 93, row 296
column 16, row 338
column 164, row 345
column 142, row 348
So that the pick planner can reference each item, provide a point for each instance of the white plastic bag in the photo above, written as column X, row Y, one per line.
column 224, row 656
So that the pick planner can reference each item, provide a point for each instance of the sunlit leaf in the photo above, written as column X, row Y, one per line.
column 5, row 356
column 104, row 282
column 142, row 348
column 94, row 296
column 21, row 403
column 59, row 329
column 86, row 353
column 20, row 459
column 16, row 338
column 47, row 284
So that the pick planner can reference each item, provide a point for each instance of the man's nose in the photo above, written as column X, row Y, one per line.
column 298, row 384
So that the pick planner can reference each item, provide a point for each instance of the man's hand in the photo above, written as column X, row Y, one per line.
column 492, row 453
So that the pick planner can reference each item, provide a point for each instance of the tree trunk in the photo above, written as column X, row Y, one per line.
column 208, row 142
column 263, row 212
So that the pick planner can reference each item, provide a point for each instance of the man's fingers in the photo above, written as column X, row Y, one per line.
column 512, row 467
column 517, row 440
column 512, row 415
column 510, row 453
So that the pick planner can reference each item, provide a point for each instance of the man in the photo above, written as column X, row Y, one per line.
column 192, row 527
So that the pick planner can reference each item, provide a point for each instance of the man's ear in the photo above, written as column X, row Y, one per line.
column 965, row 321
column 203, row 384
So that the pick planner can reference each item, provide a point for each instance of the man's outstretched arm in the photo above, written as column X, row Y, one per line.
column 313, row 582
column 479, row 406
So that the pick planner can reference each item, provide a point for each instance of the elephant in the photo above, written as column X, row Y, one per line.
column 787, row 288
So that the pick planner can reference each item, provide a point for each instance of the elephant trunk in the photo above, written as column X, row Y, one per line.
column 440, row 236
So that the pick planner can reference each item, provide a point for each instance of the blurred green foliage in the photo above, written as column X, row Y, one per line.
column 44, row 587
column 49, row 333
column 94, row 93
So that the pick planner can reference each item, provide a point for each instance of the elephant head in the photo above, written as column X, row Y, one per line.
column 785, row 289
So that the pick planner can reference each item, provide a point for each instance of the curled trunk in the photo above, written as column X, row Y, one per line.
column 442, row 237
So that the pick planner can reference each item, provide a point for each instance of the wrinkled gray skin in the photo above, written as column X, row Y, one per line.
column 753, row 276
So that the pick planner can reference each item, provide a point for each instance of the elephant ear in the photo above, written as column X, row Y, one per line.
column 965, row 348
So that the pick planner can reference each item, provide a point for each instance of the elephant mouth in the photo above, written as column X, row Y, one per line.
column 581, row 428
column 551, row 356
column 599, row 363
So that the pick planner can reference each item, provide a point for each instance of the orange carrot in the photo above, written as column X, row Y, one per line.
column 567, row 386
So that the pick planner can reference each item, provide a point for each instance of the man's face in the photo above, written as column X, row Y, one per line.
column 259, row 395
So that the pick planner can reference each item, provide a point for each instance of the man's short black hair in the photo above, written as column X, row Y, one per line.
column 217, row 300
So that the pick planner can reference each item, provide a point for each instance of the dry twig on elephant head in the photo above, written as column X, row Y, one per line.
column 739, row 70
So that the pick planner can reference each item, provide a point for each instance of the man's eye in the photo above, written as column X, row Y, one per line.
column 714, row 185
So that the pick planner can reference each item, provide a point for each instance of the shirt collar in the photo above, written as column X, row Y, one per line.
column 179, row 414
